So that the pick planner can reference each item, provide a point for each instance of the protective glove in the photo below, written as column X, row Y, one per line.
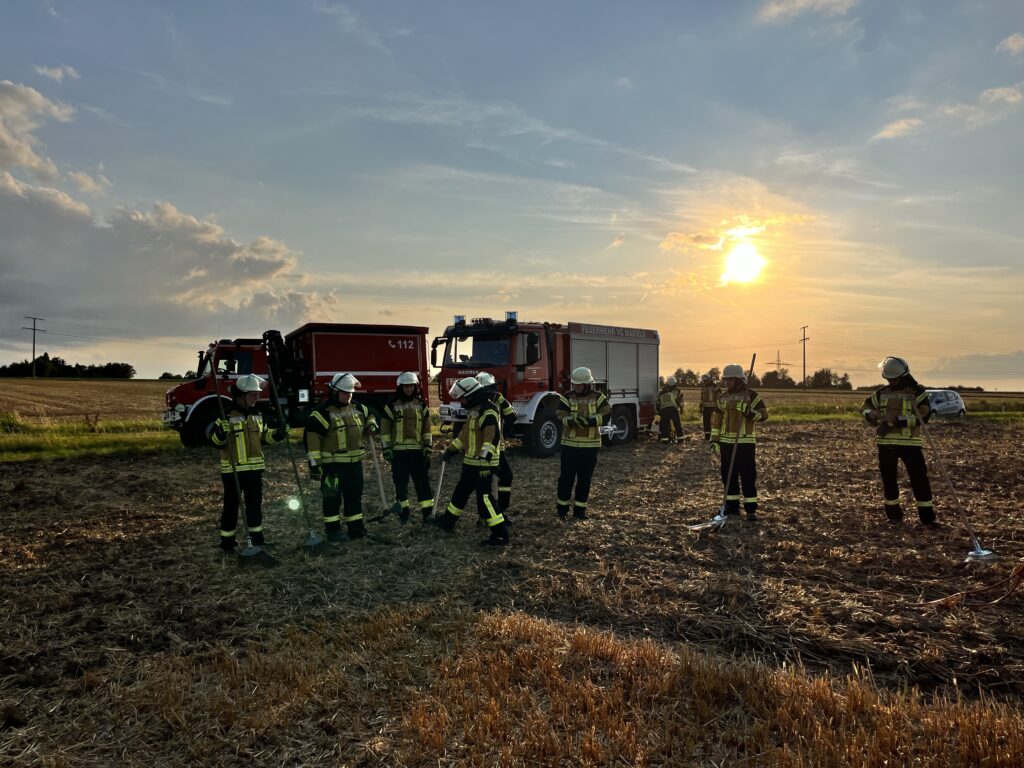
column 218, row 431
column 581, row 420
column 281, row 434
column 372, row 428
column 485, row 474
column 387, row 453
column 316, row 473
column 427, row 453
column 591, row 421
column 716, row 449
column 449, row 454
column 761, row 415
column 873, row 417
column 742, row 406
column 486, row 456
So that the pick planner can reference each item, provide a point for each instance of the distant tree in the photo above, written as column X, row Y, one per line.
column 165, row 376
column 193, row 375
column 753, row 380
column 687, row 378
column 47, row 366
column 715, row 374
column 826, row 378
column 962, row 388
column 779, row 379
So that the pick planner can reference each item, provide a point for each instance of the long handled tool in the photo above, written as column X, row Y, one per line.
column 978, row 554
column 249, row 554
column 440, row 483
column 385, row 509
column 719, row 520
column 314, row 544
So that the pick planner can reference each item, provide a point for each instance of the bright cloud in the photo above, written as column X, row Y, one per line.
column 89, row 185
column 1013, row 44
column 22, row 110
column 780, row 10
column 991, row 106
column 897, row 128
column 58, row 73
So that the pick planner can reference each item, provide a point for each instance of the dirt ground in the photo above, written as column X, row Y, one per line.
column 118, row 610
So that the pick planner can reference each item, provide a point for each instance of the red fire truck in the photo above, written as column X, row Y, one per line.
column 532, row 361
column 303, row 361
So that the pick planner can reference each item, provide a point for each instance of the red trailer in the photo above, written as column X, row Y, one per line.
column 303, row 361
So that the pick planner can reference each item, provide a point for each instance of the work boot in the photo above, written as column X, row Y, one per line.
column 334, row 536
column 356, row 529
column 257, row 539
column 445, row 522
column 579, row 513
column 894, row 514
column 562, row 512
column 752, row 516
column 428, row 513
column 931, row 525
column 227, row 546
column 498, row 538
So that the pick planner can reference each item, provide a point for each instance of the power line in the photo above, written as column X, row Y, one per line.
column 804, row 340
column 34, row 332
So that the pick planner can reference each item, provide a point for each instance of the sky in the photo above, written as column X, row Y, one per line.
column 176, row 172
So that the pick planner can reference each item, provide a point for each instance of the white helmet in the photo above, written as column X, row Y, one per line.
column 409, row 377
column 705, row 379
column 344, row 382
column 670, row 381
column 463, row 388
column 894, row 367
column 485, row 379
column 734, row 371
column 250, row 383
column 582, row 375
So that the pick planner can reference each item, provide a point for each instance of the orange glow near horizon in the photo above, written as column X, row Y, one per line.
column 743, row 264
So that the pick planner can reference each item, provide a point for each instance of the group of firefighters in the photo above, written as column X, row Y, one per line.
column 339, row 431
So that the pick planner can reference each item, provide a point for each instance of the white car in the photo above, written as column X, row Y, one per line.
column 946, row 402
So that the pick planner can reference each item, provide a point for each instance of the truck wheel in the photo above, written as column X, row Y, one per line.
column 193, row 433
column 545, row 433
column 623, row 421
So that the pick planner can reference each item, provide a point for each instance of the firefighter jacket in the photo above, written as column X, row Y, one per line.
column 405, row 425
column 582, row 417
column 480, row 435
column 735, row 415
column 241, row 435
column 334, row 433
column 902, row 407
column 506, row 412
column 709, row 394
column 670, row 397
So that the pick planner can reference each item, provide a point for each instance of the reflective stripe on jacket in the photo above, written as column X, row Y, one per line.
column 709, row 395
column 478, row 439
column 670, row 397
column 245, row 434
column 895, row 405
column 731, row 425
column 405, row 425
column 592, row 406
column 334, row 433
column 506, row 412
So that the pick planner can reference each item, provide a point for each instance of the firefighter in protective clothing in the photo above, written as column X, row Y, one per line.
column 896, row 411
column 582, row 411
column 508, row 419
column 732, row 431
column 406, row 442
column 709, row 394
column 241, row 435
column 335, row 436
column 478, row 442
column 670, row 403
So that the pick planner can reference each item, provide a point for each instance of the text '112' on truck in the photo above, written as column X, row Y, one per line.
column 531, row 363
column 303, row 363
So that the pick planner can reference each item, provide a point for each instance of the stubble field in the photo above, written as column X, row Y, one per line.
column 812, row 638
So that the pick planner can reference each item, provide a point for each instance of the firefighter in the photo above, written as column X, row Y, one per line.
column 508, row 420
column 406, row 442
column 896, row 411
column 479, row 444
column 242, row 455
column 670, row 403
column 709, row 394
column 732, row 425
column 582, row 411
column 335, row 434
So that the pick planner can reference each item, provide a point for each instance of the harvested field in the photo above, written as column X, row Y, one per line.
column 809, row 639
column 63, row 400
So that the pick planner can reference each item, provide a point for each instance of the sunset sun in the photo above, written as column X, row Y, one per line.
column 743, row 264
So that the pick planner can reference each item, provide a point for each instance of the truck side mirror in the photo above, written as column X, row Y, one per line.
column 433, row 350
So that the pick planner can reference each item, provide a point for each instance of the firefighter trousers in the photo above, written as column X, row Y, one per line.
column 670, row 418
column 343, row 483
column 251, row 483
column 705, row 413
column 406, row 464
column 476, row 480
column 912, row 457
column 578, row 465
column 744, row 474
column 504, row 474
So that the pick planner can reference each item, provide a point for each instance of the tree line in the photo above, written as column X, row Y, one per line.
column 823, row 378
column 58, row 367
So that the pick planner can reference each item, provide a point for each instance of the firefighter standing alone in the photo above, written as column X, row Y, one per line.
column 896, row 411
column 582, row 411
column 241, row 435
column 732, row 433
column 670, row 404
column 478, row 442
column 406, row 441
column 335, row 435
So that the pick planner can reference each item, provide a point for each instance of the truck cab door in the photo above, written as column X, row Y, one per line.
column 531, row 364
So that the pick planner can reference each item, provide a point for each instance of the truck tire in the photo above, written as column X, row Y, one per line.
column 193, row 432
column 623, row 419
column 545, row 433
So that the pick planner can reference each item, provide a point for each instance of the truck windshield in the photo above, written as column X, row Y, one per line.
column 476, row 352
column 228, row 362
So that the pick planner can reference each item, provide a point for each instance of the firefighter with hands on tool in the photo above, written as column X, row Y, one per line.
column 335, row 443
column 406, row 442
column 508, row 419
column 241, row 435
column 582, row 410
column 896, row 411
column 670, row 404
column 732, row 433
column 478, row 442
column 709, row 394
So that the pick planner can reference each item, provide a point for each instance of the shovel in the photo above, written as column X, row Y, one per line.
column 395, row 508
